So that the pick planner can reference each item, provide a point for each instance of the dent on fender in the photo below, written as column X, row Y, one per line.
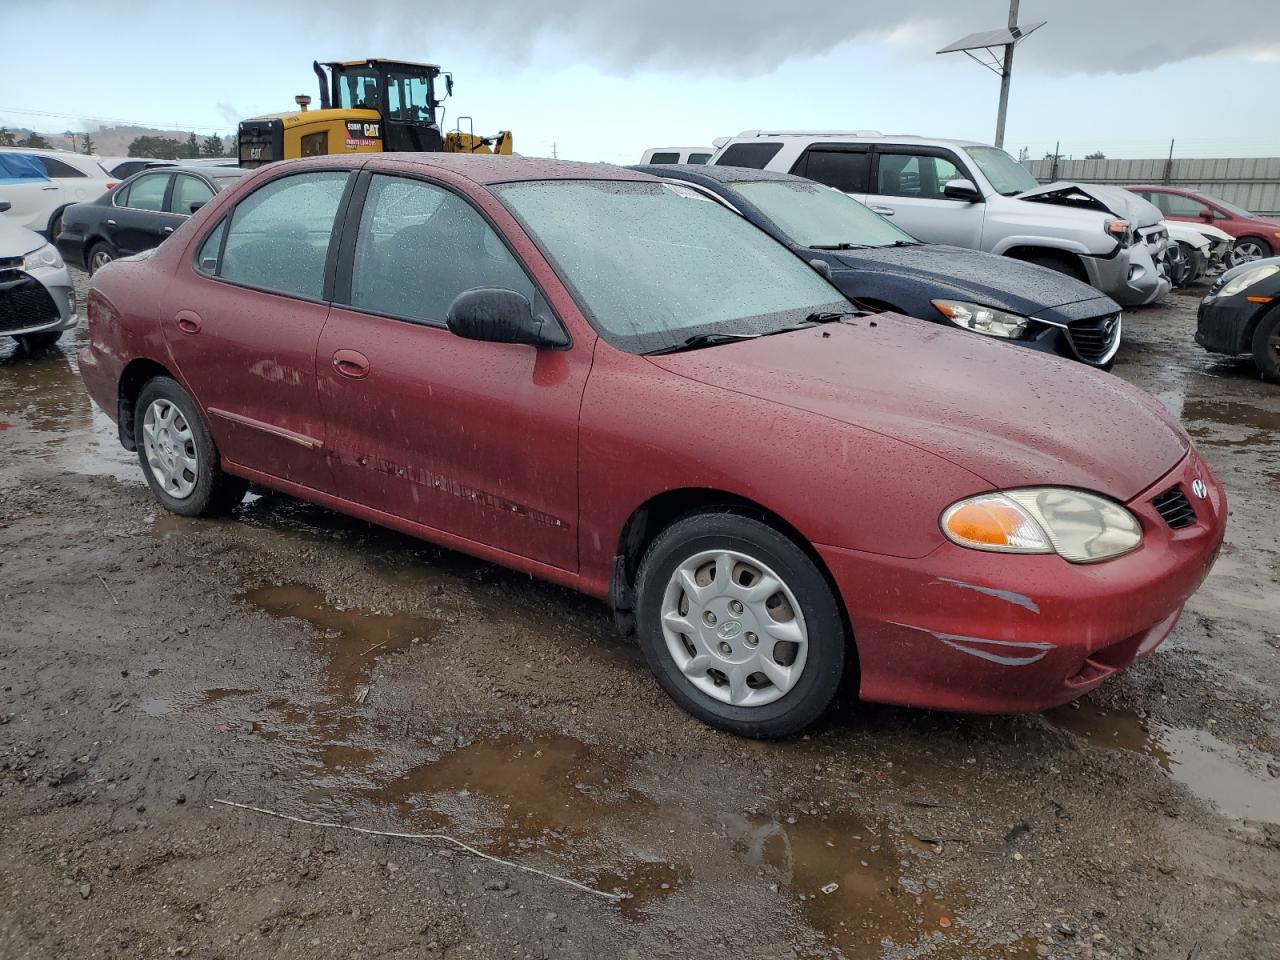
column 1006, row 595
column 979, row 647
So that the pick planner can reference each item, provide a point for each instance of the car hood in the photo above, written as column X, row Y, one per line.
column 1108, row 199
column 1013, row 417
column 16, row 240
column 1000, row 282
column 1186, row 234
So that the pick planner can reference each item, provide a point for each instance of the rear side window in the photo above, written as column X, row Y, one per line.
column 699, row 158
column 419, row 246
column 186, row 191
column 58, row 170
column 145, row 193
column 665, row 158
column 279, row 235
column 207, row 259
column 755, row 156
column 843, row 169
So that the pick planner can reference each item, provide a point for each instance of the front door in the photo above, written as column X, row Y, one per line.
column 476, row 439
column 243, row 317
column 907, row 185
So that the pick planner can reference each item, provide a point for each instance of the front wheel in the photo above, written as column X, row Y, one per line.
column 1266, row 345
column 739, row 626
column 179, row 458
column 1248, row 249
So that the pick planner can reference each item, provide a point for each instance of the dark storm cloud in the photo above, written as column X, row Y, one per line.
column 750, row 36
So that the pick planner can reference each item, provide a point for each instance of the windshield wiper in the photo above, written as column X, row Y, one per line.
column 905, row 243
column 701, row 340
column 837, row 246
column 824, row 316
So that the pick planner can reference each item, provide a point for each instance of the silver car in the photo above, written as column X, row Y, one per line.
column 37, row 299
column 973, row 195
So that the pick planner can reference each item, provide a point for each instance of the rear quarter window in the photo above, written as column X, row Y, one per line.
column 755, row 156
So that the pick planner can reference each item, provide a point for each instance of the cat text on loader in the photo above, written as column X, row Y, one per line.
column 366, row 106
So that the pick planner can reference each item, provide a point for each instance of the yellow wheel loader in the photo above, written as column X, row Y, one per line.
column 366, row 106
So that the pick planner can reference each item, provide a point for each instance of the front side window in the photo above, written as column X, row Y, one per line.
column 1006, row 175
column 409, row 97
column 419, row 246
column 1176, row 205
column 145, row 193
column 653, row 264
column 699, row 158
column 186, row 191
column 816, row 216
column 279, row 235
column 914, row 175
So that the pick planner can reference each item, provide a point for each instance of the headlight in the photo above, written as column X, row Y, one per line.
column 44, row 257
column 1248, row 279
column 1079, row 527
column 980, row 319
column 1119, row 230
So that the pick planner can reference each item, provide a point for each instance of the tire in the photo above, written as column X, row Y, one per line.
column 35, row 342
column 707, row 668
column 1178, row 263
column 100, row 254
column 1061, row 264
column 178, row 457
column 1266, row 345
column 55, row 227
column 1248, row 249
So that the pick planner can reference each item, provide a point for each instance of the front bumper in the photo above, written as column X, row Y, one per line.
column 42, row 300
column 1224, row 324
column 1134, row 276
column 999, row 633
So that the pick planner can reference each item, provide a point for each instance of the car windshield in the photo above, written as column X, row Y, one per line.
column 1005, row 174
column 1231, row 208
column 816, row 216
column 655, row 264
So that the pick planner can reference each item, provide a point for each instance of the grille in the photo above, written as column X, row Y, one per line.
column 1176, row 509
column 24, row 302
column 1093, row 339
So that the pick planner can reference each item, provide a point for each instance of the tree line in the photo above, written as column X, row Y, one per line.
column 156, row 148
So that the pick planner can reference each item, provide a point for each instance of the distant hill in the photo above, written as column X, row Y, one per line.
column 110, row 141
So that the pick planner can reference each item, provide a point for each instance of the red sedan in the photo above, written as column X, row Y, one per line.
column 1256, row 237
column 585, row 374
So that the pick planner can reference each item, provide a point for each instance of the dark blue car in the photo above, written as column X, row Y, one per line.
column 881, row 267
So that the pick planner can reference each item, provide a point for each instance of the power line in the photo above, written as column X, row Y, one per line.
column 161, row 125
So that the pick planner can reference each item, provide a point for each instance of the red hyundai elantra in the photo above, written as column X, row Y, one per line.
column 614, row 384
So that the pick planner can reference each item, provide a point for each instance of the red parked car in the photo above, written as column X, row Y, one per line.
column 1256, row 237
column 611, row 383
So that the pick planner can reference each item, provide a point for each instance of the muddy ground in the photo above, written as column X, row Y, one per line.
column 301, row 662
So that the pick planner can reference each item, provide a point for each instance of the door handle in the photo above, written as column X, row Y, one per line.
column 48, row 188
column 111, row 223
column 167, row 230
column 351, row 364
column 187, row 321
column 883, row 211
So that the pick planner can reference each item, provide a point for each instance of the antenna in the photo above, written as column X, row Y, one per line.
column 999, row 62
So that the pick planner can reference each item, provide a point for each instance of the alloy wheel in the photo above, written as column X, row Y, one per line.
column 734, row 628
column 100, row 260
column 170, row 448
column 1247, row 251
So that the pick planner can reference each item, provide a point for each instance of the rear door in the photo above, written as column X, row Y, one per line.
column 475, row 439
column 137, row 218
column 907, row 184
column 243, row 317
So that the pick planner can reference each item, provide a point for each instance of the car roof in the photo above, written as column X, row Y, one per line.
column 701, row 173
column 491, row 169
column 209, row 170
column 872, row 135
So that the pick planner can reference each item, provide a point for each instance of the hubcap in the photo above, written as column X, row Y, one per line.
column 170, row 449
column 734, row 628
column 1247, row 251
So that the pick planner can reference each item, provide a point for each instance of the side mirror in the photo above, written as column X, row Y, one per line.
column 4, row 206
column 500, row 316
column 965, row 190
column 197, row 204
column 821, row 266
column 1206, row 215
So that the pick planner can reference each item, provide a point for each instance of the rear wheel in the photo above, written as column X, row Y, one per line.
column 100, row 254
column 739, row 626
column 179, row 458
column 1266, row 345
column 1248, row 249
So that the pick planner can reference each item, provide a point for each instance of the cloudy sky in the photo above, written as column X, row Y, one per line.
column 603, row 79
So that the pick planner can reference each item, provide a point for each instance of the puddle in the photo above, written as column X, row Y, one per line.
column 1206, row 419
column 854, row 884
column 646, row 884
column 1232, row 780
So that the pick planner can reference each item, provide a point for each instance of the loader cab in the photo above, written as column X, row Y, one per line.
column 403, row 95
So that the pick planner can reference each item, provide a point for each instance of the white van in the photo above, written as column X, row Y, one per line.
column 677, row 154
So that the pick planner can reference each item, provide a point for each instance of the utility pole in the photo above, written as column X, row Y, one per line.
column 993, row 49
column 1006, row 73
column 553, row 151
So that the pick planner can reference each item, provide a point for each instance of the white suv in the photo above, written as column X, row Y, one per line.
column 974, row 195
column 71, row 178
